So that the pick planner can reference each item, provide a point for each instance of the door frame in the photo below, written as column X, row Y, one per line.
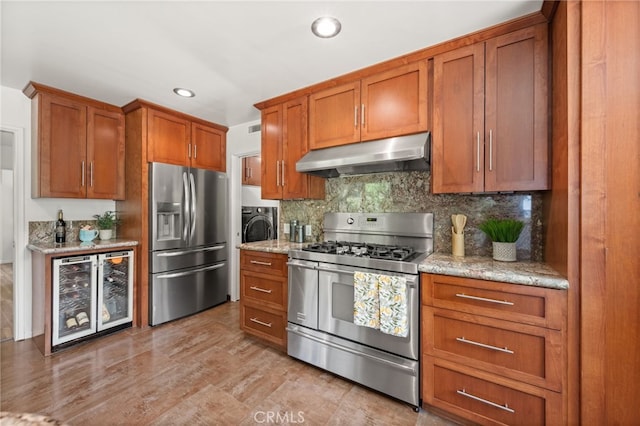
column 21, row 294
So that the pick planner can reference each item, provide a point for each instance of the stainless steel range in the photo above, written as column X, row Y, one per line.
column 321, row 329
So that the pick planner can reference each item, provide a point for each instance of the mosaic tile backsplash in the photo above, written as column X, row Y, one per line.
column 409, row 192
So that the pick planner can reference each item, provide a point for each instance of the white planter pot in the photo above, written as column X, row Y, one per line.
column 105, row 234
column 505, row 252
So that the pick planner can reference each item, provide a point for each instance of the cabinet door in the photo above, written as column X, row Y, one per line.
column 334, row 116
column 394, row 102
column 294, row 146
column 251, row 170
column 516, row 111
column 105, row 154
column 458, row 121
column 169, row 137
column 61, row 151
column 208, row 148
column 271, row 152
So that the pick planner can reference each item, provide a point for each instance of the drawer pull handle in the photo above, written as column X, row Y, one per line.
column 260, row 289
column 504, row 407
column 257, row 262
column 484, row 299
column 482, row 345
column 256, row 320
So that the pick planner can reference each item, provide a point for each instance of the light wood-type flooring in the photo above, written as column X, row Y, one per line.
column 200, row 370
column 6, row 301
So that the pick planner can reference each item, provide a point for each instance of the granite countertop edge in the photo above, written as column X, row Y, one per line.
column 537, row 274
column 271, row 246
column 74, row 246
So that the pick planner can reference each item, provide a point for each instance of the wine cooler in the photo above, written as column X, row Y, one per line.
column 92, row 294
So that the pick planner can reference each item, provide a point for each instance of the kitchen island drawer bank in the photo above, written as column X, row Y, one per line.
column 494, row 352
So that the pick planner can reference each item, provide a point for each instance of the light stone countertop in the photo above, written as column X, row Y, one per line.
column 74, row 246
column 485, row 268
column 535, row 274
column 272, row 246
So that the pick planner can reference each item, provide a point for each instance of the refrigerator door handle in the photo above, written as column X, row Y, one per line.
column 185, row 207
column 191, row 271
column 180, row 253
column 194, row 211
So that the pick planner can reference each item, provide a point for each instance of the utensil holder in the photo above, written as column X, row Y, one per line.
column 457, row 244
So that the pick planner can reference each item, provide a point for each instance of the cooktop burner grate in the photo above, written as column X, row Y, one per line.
column 374, row 251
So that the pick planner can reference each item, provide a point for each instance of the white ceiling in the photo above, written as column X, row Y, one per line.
column 232, row 54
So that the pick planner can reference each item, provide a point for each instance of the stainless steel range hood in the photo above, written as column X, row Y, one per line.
column 401, row 153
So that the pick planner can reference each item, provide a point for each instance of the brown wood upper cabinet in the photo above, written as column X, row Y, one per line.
column 77, row 146
column 176, row 139
column 490, row 115
column 284, row 142
column 387, row 104
column 251, row 170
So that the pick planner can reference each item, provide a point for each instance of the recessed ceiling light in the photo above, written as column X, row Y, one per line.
column 184, row 92
column 326, row 27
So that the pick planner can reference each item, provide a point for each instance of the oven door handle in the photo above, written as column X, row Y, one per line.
column 313, row 267
column 352, row 351
column 411, row 282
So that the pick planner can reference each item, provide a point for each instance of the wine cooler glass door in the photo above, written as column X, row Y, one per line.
column 74, row 298
column 115, row 289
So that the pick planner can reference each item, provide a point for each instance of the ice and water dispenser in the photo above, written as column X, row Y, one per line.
column 169, row 221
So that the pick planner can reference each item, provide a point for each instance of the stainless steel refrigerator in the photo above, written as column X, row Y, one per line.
column 188, row 255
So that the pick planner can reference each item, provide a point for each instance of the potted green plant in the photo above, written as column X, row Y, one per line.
column 503, row 233
column 106, row 222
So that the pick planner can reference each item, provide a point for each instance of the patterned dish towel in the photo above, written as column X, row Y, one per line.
column 366, row 304
column 394, row 319
column 380, row 302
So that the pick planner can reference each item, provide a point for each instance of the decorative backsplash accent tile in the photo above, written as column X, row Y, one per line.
column 410, row 192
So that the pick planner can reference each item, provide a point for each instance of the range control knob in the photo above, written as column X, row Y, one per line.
column 350, row 221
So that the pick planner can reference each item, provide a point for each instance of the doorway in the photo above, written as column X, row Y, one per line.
column 7, row 242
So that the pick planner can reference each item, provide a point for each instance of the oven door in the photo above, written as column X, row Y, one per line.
column 335, row 311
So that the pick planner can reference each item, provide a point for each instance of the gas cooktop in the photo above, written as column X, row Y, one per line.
column 373, row 251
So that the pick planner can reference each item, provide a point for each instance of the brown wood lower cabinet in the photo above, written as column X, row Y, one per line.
column 263, row 296
column 494, row 353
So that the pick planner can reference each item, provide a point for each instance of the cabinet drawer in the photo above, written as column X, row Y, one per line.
column 479, row 398
column 520, row 303
column 264, row 288
column 269, row 325
column 522, row 352
column 266, row 263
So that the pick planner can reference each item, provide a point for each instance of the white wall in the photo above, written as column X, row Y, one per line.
column 240, row 143
column 15, row 113
column 6, row 217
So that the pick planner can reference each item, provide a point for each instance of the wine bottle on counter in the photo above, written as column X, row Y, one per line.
column 61, row 229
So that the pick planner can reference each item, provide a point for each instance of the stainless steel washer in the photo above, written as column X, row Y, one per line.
column 259, row 223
